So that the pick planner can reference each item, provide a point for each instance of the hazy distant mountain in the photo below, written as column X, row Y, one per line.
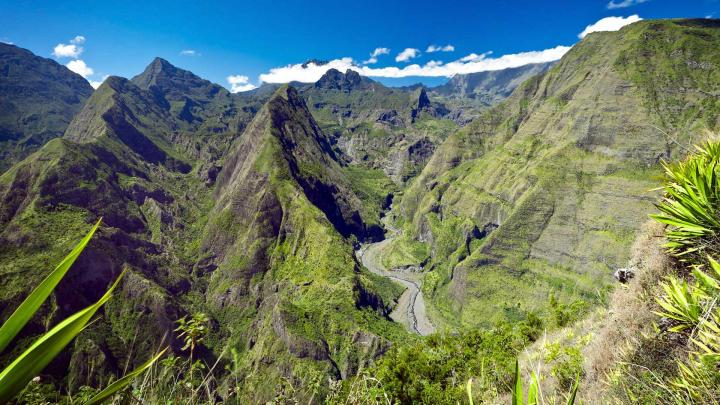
column 489, row 87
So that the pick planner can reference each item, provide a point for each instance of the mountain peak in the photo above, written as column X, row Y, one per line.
column 159, row 65
column 333, row 79
column 158, row 70
column 174, row 83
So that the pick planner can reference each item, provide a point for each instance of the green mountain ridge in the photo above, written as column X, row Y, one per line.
column 282, row 161
column 377, row 127
column 38, row 99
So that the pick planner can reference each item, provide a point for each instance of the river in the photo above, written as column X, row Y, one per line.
column 410, row 308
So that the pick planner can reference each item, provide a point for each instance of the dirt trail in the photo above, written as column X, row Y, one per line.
column 410, row 309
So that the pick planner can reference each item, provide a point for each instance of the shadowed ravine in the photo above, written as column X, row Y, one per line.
column 410, row 309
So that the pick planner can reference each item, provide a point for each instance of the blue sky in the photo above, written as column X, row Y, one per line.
column 247, row 40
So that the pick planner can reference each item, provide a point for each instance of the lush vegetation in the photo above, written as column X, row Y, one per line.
column 444, row 368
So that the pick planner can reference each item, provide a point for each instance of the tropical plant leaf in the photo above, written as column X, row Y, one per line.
column 573, row 393
column 30, row 305
column 533, row 390
column 29, row 364
column 517, row 392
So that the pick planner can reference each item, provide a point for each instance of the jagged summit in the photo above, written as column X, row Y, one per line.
column 423, row 99
column 286, row 121
column 160, row 69
column 333, row 79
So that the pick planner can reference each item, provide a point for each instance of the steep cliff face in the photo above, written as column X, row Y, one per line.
column 38, row 99
column 546, row 192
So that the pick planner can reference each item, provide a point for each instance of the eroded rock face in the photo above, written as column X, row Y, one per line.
column 373, row 126
column 426, row 107
column 390, row 117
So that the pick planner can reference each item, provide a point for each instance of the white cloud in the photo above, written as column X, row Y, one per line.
column 311, row 72
column 380, row 51
column 239, row 83
column 78, row 66
column 474, row 56
column 6, row 41
column 609, row 24
column 624, row 3
column 71, row 50
column 189, row 52
column 407, row 54
column 435, row 48
column 67, row 51
column 96, row 83
column 469, row 64
column 377, row 52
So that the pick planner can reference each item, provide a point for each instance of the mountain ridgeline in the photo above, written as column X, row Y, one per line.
column 504, row 188
column 488, row 88
column 38, row 99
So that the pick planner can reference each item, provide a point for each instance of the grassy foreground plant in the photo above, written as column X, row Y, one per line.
column 692, row 203
column 534, row 394
column 15, row 377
